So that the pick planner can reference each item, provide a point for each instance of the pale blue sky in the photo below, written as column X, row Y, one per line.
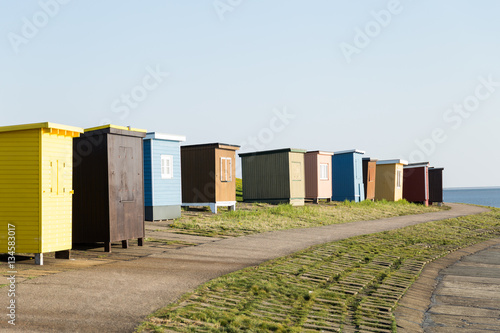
column 228, row 78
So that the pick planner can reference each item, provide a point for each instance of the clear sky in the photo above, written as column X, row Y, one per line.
column 417, row 80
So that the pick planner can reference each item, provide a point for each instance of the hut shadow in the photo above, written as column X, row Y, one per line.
column 19, row 257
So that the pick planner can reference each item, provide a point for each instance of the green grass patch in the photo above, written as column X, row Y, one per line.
column 353, row 284
column 257, row 218
column 239, row 190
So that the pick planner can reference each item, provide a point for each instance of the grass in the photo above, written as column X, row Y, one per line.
column 353, row 284
column 257, row 218
column 239, row 190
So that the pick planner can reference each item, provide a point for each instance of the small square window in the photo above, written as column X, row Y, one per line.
column 167, row 167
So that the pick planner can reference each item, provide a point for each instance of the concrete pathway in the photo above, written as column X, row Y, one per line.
column 457, row 293
column 115, row 297
column 467, row 297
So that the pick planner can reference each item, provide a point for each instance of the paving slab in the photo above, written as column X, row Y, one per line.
column 119, row 294
column 456, row 293
column 465, row 295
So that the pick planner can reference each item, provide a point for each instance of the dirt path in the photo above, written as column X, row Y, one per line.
column 115, row 297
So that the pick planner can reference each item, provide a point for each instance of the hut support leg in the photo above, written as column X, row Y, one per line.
column 231, row 208
column 107, row 246
column 125, row 244
column 213, row 208
column 329, row 200
column 38, row 258
column 63, row 254
column 140, row 241
column 316, row 201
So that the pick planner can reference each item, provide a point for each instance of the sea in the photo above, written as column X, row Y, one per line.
column 485, row 196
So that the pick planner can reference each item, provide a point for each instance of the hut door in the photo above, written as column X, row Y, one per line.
column 125, row 175
column 126, row 185
column 297, row 177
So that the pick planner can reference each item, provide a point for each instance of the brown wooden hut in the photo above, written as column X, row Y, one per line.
column 108, row 205
column 209, row 175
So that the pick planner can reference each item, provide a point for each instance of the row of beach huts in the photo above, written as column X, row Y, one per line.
column 62, row 185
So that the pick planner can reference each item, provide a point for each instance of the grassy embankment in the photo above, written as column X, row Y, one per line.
column 350, row 285
column 256, row 218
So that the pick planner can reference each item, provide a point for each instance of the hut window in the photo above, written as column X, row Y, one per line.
column 323, row 171
column 226, row 169
column 398, row 179
column 167, row 170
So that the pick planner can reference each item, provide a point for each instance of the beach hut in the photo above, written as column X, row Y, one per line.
column 162, row 176
column 318, row 172
column 416, row 182
column 347, row 176
column 436, row 185
column 36, row 190
column 108, row 205
column 274, row 176
column 208, row 175
column 389, row 184
column 369, row 176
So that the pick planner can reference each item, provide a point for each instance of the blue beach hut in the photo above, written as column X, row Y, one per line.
column 347, row 176
column 162, row 176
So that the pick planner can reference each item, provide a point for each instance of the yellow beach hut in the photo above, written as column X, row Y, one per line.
column 36, row 168
column 389, row 184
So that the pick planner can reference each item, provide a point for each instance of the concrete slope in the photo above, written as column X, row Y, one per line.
column 115, row 297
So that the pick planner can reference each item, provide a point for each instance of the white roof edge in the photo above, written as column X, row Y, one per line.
column 416, row 165
column 404, row 162
column 161, row 136
column 320, row 152
column 349, row 151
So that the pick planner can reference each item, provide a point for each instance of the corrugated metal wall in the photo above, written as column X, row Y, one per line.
column 266, row 176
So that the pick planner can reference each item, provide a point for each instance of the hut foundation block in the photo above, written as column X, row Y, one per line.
column 39, row 259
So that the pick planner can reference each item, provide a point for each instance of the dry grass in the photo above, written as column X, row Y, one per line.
column 257, row 218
